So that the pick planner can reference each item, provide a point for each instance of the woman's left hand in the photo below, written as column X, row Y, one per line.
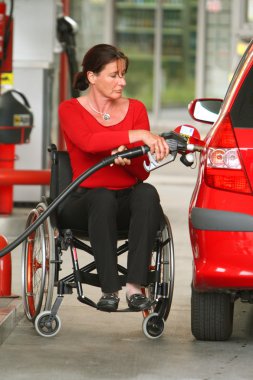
column 121, row 161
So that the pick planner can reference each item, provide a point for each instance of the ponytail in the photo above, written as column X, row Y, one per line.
column 80, row 82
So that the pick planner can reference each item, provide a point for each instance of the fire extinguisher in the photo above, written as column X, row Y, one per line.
column 16, row 123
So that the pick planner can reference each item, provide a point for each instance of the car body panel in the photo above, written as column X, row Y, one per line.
column 226, row 264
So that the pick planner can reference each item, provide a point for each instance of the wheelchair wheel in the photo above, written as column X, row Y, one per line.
column 168, row 265
column 162, row 298
column 153, row 326
column 38, row 266
column 47, row 325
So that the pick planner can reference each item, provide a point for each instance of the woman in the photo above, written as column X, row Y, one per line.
column 95, row 125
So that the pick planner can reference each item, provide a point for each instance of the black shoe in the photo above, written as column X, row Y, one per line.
column 138, row 302
column 108, row 302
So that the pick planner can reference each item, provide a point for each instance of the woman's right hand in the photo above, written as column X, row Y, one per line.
column 156, row 143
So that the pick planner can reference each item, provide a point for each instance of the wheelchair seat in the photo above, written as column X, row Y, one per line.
column 61, row 178
column 42, row 257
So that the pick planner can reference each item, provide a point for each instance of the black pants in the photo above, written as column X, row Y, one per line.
column 102, row 212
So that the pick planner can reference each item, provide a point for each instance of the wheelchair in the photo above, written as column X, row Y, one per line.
column 42, row 259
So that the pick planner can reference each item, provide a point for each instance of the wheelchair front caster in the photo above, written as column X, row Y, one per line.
column 153, row 326
column 47, row 325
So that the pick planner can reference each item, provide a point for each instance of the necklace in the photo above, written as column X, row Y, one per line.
column 106, row 116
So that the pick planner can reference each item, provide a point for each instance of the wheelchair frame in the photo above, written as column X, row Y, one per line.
column 42, row 253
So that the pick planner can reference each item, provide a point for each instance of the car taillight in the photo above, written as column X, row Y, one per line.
column 224, row 168
column 223, row 158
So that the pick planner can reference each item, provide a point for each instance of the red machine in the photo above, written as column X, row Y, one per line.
column 7, row 151
column 16, row 121
column 6, row 27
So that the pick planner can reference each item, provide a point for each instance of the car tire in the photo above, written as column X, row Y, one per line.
column 211, row 316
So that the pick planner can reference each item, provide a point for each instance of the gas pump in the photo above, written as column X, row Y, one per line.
column 5, row 262
column 16, row 118
column 15, row 126
column 7, row 151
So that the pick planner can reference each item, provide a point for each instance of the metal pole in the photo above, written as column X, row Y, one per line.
column 157, row 73
column 64, row 88
column 201, row 53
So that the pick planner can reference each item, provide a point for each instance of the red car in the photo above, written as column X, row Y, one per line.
column 221, row 208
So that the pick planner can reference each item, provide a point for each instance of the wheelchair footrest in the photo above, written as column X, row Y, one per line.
column 87, row 301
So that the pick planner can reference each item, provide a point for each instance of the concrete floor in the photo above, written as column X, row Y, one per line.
column 96, row 345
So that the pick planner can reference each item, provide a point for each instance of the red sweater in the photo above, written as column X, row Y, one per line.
column 88, row 142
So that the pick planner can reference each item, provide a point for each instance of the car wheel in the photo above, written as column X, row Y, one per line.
column 211, row 316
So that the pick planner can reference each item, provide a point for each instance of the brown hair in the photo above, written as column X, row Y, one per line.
column 94, row 60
